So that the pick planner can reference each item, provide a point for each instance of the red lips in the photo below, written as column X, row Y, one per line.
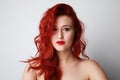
column 60, row 42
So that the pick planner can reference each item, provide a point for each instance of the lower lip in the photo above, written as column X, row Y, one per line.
column 60, row 43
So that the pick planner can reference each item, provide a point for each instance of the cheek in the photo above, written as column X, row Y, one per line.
column 53, row 39
column 69, row 38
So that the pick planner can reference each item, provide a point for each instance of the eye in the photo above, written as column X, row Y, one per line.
column 54, row 29
column 66, row 29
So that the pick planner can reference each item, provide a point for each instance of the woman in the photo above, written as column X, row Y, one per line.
column 59, row 46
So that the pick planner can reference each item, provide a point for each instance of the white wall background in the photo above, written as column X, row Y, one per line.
column 19, row 21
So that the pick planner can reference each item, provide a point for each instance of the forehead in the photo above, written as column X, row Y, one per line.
column 63, row 20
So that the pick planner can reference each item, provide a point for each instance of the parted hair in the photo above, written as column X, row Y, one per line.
column 46, row 60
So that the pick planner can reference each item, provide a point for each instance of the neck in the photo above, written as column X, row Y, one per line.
column 65, row 57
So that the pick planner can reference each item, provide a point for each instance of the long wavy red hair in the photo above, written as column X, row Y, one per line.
column 46, row 60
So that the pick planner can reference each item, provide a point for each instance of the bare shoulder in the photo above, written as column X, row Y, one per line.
column 94, row 70
column 90, row 63
column 29, row 74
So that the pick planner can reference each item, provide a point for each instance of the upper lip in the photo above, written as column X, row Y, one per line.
column 60, row 42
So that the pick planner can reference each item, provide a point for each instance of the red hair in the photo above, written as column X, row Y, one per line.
column 46, row 59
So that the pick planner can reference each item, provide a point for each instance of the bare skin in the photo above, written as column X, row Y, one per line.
column 72, row 68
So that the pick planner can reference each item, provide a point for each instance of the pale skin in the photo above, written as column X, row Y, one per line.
column 72, row 68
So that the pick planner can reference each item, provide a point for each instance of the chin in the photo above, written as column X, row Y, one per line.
column 60, row 50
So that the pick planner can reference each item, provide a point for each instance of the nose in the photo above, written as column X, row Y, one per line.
column 60, row 34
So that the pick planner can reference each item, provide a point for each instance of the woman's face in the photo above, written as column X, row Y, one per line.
column 63, row 34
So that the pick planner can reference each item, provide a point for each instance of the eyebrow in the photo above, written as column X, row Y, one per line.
column 67, row 25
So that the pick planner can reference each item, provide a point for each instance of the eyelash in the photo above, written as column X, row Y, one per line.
column 64, row 29
column 54, row 29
